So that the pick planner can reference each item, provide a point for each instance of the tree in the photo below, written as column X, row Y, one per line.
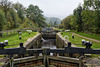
column 88, row 20
column 20, row 10
column 5, row 5
column 35, row 14
column 94, row 6
column 67, row 22
column 2, row 20
column 77, row 14
column 15, row 19
column 60, row 26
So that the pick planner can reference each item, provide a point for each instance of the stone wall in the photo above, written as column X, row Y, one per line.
column 34, row 42
column 61, row 42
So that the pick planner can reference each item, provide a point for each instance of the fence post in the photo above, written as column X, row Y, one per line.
column 46, row 53
column 11, row 61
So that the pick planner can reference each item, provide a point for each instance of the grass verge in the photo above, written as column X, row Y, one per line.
column 14, row 39
column 93, row 36
column 78, row 40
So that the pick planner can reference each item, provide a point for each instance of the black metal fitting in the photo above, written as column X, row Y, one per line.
column 40, row 31
column 88, row 44
column 2, row 45
column 29, row 32
column 69, row 44
column 83, row 42
column 20, row 37
column 21, row 44
column 72, row 36
column 6, row 42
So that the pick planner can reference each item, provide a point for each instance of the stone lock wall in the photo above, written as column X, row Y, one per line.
column 34, row 42
column 61, row 42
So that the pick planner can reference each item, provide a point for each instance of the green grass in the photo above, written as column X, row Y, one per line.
column 58, row 29
column 93, row 36
column 78, row 40
column 1, row 64
column 14, row 39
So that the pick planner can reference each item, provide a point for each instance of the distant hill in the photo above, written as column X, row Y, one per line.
column 52, row 20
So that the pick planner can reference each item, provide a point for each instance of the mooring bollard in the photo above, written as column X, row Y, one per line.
column 72, row 36
column 19, row 33
column 69, row 44
column 20, row 37
column 2, row 45
column 6, row 42
column 83, row 42
column 90, row 44
column 21, row 44
column 87, row 44
column 29, row 32
column 61, row 33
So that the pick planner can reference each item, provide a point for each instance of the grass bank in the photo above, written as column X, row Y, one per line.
column 14, row 39
column 91, row 35
column 57, row 29
column 78, row 40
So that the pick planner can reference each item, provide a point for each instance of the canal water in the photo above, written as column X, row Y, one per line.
column 49, row 43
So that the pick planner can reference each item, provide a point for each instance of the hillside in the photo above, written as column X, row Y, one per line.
column 50, row 20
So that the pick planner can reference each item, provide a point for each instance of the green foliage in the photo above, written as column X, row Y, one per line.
column 85, row 18
column 77, row 14
column 14, row 14
column 89, row 21
column 66, row 22
column 15, row 18
column 35, row 14
column 60, row 26
column 2, row 20
column 20, row 10
column 20, row 14
column 5, row 5
column 27, row 23
column 69, row 22
column 93, row 12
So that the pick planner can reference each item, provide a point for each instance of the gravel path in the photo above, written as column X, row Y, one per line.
column 87, row 38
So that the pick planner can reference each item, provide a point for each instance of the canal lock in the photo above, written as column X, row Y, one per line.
column 46, row 40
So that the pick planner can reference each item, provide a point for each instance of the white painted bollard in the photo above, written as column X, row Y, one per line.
column 6, row 42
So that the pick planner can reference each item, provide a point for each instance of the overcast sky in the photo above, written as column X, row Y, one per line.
column 53, row 8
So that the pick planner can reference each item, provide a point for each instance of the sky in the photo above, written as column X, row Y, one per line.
column 53, row 8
